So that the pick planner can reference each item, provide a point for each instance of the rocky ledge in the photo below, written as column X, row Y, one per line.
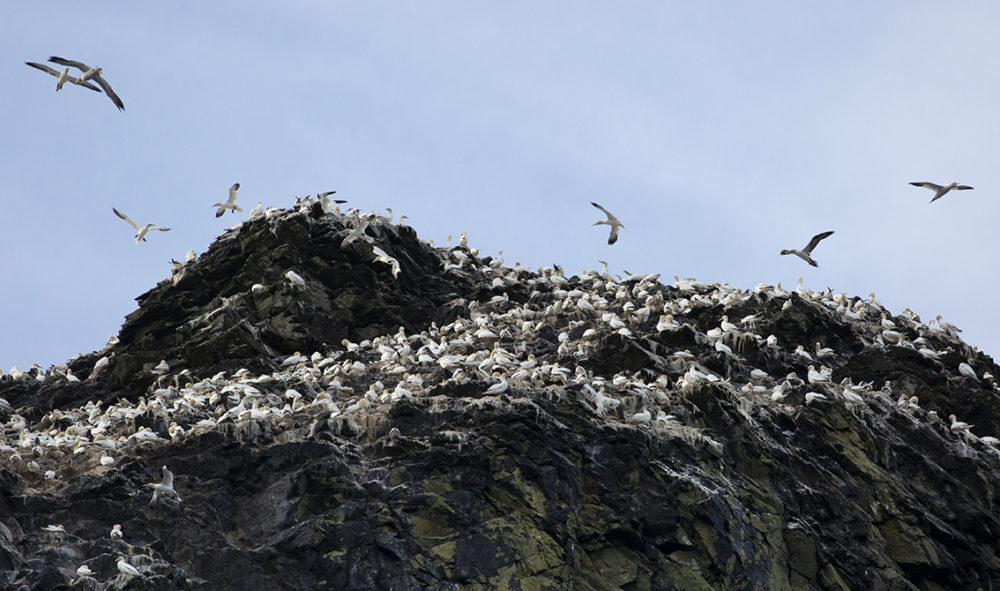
column 345, row 406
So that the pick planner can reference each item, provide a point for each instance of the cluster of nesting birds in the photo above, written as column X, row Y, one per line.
column 501, row 352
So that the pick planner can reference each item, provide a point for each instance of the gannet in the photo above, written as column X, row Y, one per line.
column 140, row 231
column 230, row 204
column 164, row 486
column 84, row 571
column 324, row 201
column 814, row 396
column 957, row 425
column 383, row 257
column 295, row 278
column 127, row 569
column 611, row 221
column 966, row 370
column 805, row 252
column 91, row 74
column 257, row 211
column 939, row 190
column 63, row 77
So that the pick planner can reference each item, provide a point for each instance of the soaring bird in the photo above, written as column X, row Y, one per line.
column 91, row 74
column 611, row 221
column 941, row 190
column 164, row 486
column 141, row 231
column 805, row 252
column 63, row 77
column 230, row 203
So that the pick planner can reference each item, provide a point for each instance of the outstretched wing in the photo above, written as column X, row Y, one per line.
column 108, row 91
column 126, row 218
column 65, row 62
column 57, row 74
column 44, row 68
column 815, row 240
column 926, row 185
column 606, row 212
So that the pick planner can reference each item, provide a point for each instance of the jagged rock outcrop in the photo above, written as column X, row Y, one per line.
column 467, row 425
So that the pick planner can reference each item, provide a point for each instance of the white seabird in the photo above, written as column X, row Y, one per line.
column 141, row 231
column 164, row 486
column 84, row 571
column 230, row 204
column 805, row 252
column 324, row 201
column 295, row 278
column 957, row 425
column 383, row 257
column 941, row 190
column 611, row 221
column 127, row 569
column 63, row 77
column 91, row 74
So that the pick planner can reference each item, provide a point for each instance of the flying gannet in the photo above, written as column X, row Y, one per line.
column 164, row 486
column 383, row 257
column 141, row 231
column 229, row 204
column 63, row 77
column 324, row 201
column 611, row 221
column 91, row 74
column 805, row 252
column 941, row 190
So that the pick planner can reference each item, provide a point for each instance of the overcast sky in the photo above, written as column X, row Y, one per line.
column 718, row 132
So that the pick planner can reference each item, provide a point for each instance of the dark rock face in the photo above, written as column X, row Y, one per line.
column 484, row 427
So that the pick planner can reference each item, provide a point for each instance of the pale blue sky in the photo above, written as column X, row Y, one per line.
column 719, row 133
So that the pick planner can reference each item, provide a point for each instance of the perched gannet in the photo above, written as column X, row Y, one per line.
column 84, row 571
column 164, row 486
column 939, row 190
column 814, row 396
column 140, row 231
column 257, row 211
column 966, row 370
column 611, row 221
column 957, row 425
column 295, row 278
column 63, row 77
column 805, row 252
column 230, row 204
column 161, row 368
column 91, row 74
column 127, row 569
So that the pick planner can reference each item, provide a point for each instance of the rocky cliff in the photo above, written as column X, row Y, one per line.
column 336, row 416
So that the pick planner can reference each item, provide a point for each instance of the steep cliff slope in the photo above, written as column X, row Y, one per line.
column 468, row 425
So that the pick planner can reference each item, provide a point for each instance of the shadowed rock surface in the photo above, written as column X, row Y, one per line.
column 468, row 425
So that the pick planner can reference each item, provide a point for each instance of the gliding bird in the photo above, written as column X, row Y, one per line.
column 230, row 204
column 805, row 252
column 91, row 74
column 611, row 221
column 63, row 77
column 141, row 231
column 941, row 190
